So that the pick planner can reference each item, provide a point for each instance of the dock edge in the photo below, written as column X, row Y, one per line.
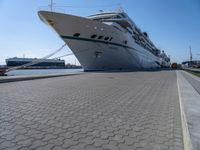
column 186, row 136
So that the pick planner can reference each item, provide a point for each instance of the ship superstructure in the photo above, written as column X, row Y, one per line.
column 106, row 41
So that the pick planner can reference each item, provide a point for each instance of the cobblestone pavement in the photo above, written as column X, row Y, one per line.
column 93, row 111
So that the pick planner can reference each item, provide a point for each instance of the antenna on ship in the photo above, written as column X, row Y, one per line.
column 120, row 9
column 190, row 54
column 51, row 5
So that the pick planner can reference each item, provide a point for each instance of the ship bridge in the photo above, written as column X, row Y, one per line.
column 119, row 17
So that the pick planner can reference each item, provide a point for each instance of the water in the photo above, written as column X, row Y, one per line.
column 42, row 71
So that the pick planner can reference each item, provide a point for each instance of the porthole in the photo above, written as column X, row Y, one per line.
column 106, row 38
column 100, row 37
column 110, row 39
column 76, row 34
column 125, row 42
column 93, row 36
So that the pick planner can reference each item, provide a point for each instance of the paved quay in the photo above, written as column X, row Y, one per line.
column 92, row 111
column 190, row 97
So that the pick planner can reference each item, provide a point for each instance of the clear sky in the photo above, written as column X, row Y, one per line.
column 172, row 25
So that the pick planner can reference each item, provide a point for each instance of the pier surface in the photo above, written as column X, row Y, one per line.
column 190, row 92
column 127, row 110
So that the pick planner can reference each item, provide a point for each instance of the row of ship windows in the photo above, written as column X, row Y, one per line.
column 138, row 41
column 137, row 38
column 106, row 38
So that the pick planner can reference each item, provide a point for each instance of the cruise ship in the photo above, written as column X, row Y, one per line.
column 106, row 41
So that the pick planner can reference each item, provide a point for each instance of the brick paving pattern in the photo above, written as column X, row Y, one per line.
column 93, row 111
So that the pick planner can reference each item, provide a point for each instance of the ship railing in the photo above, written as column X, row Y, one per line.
column 54, row 9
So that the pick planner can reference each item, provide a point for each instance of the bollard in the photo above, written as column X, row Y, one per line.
column 3, row 71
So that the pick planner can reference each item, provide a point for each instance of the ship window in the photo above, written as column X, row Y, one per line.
column 106, row 38
column 93, row 36
column 111, row 39
column 117, row 28
column 123, row 15
column 100, row 37
column 145, row 34
column 125, row 42
column 76, row 34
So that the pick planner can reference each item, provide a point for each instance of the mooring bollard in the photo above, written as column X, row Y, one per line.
column 3, row 71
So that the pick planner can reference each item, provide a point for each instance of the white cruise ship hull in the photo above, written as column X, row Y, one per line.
column 98, row 54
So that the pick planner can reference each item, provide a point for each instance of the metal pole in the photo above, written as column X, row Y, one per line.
column 190, row 54
column 51, row 5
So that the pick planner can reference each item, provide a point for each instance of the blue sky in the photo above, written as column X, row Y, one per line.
column 172, row 25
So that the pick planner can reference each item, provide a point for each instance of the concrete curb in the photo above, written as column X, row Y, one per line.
column 193, row 76
column 185, row 131
column 192, row 70
column 32, row 77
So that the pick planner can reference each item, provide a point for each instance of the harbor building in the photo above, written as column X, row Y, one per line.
column 11, row 62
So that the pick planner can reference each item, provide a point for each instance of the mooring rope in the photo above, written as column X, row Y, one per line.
column 36, row 61
column 63, row 56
